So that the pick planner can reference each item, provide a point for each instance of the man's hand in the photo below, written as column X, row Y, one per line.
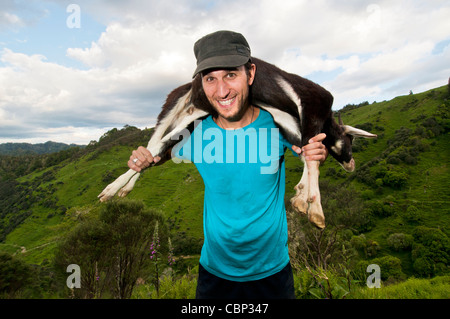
column 315, row 150
column 141, row 159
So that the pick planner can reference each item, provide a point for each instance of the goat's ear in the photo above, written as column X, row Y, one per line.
column 356, row 132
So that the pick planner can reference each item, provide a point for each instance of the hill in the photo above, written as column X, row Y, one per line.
column 393, row 209
column 16, row 149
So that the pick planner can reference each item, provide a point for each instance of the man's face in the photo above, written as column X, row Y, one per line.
column 227, row 91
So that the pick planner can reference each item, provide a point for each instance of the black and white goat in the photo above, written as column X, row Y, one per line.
column 300, row 108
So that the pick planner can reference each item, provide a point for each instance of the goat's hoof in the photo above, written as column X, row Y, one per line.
column 299, row 205
column 104, row 198
column 106, row 195
column 317, row 220
column 123, row 192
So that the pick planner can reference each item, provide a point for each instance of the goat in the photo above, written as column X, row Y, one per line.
column 301, row 109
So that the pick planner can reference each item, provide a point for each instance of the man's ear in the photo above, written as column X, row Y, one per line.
column 252, row 73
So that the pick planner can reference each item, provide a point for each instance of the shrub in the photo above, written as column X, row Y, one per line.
column 320, row 284
column 411, row 214
column 390, row 266
column 395, row 179
column 393, row 159
column 423, row 266
column 112, row 251
column 15, row 275
column 400, row 241
column 431, row 251
column 381, row 209
column 372, row 248
column 359, row 242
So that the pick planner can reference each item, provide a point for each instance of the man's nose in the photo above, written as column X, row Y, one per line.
column 223, row 89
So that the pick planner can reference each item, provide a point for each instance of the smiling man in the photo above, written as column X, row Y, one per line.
column 245, row 251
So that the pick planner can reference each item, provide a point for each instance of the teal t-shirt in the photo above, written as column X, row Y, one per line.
column 244, row 216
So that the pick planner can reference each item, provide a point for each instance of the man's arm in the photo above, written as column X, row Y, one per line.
column 315, row 150
column 144, row 159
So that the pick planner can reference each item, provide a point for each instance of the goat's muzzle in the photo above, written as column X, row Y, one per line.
column 349, row 166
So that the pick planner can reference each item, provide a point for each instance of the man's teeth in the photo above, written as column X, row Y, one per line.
column 226, row 102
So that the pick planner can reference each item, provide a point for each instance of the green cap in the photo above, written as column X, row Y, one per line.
column 221, row 49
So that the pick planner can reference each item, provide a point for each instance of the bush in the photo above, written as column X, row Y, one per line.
column 116, row 243
column 423, row 266
column 395, row 179
column 431, row 251
column 320, row 284
column 411, row 214
column 391, row 268
column 399, row 241
column 15, row 275
column 381, row 209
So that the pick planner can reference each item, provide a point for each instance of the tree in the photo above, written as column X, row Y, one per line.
column 86, row 246
column 113, row 250
column 132, row 229
column 15, row 275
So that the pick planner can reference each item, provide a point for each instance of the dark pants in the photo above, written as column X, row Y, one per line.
column 277, row 286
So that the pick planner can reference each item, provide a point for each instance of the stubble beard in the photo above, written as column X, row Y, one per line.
column 244, row 105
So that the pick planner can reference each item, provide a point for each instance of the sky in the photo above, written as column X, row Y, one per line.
column 72, row 70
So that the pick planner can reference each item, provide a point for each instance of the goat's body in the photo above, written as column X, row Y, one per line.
column 299, row 107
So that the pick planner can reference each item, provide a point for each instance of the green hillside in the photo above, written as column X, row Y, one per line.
column 395, row 204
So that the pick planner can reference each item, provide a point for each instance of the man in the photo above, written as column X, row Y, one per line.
column 245, row 252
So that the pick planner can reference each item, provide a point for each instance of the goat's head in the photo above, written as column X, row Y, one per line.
column 342, row 148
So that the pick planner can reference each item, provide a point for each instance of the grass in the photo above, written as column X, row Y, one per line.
column 184, row 287
column 413, row 288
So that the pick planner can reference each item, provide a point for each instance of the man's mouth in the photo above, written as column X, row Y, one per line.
column 227, row 102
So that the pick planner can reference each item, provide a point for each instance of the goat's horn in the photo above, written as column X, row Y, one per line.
column 340, row 120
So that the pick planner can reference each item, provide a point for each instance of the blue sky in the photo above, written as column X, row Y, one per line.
column 45, row 32
column 73, row 84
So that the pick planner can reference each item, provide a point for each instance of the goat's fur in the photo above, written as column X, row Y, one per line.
column 301, row 109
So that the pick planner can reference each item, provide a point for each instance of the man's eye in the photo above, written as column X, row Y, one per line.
column 231, row 75
column 209, row 79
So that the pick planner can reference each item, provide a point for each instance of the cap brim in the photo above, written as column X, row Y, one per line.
column 226, row 61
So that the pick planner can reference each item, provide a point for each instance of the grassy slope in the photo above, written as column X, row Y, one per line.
column 177, row 189
column 428, row 182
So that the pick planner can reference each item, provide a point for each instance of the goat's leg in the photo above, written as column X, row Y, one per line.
column 307, row 197
column 120, row 182
column 300, row 201
column 129, row 186
column 125, row 182
column 315, row 212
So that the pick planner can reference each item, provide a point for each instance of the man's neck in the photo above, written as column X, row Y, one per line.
column 249, row 116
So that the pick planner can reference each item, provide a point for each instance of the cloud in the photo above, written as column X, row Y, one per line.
column 359, row 50
column 10, row 20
